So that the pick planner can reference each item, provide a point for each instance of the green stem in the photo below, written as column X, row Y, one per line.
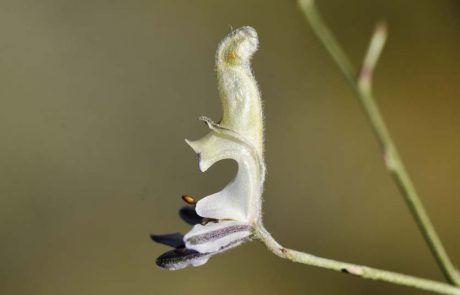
column 392, row 159
column 357, row 270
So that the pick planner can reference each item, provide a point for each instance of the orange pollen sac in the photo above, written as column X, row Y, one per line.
column 189, row 199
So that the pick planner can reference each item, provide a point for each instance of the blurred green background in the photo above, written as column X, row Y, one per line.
column 97, row 96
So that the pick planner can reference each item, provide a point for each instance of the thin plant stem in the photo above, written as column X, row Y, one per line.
column 393, row 162
column 353, row 269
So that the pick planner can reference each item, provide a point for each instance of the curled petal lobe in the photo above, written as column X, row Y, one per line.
column 238, row 47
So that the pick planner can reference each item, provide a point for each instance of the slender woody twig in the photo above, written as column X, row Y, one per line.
column 363, row 87
column 394, row 164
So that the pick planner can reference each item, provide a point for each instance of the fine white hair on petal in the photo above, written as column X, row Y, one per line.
column 240, row 96
column 238, row 47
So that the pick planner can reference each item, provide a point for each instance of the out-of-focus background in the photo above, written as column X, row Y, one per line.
column 97, row 96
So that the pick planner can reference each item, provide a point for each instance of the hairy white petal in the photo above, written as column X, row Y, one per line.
column 237, row 200
column 240, row 96
column 239, row 136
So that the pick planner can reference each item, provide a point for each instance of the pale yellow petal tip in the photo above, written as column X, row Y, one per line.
column 238, row 47
column 192, row 144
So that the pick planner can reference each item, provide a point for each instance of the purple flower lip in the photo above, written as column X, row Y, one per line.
column 225, row 237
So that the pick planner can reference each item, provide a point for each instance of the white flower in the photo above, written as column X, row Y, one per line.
column 227, row 218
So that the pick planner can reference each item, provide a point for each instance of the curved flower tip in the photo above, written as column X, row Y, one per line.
column 227, row 218
column 238, row 47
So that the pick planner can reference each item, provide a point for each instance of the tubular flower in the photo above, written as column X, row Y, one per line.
column 227, row 218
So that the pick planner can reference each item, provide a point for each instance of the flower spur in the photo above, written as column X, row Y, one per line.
column 227, row 218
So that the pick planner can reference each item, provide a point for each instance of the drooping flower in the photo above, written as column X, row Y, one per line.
column 227, row 218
